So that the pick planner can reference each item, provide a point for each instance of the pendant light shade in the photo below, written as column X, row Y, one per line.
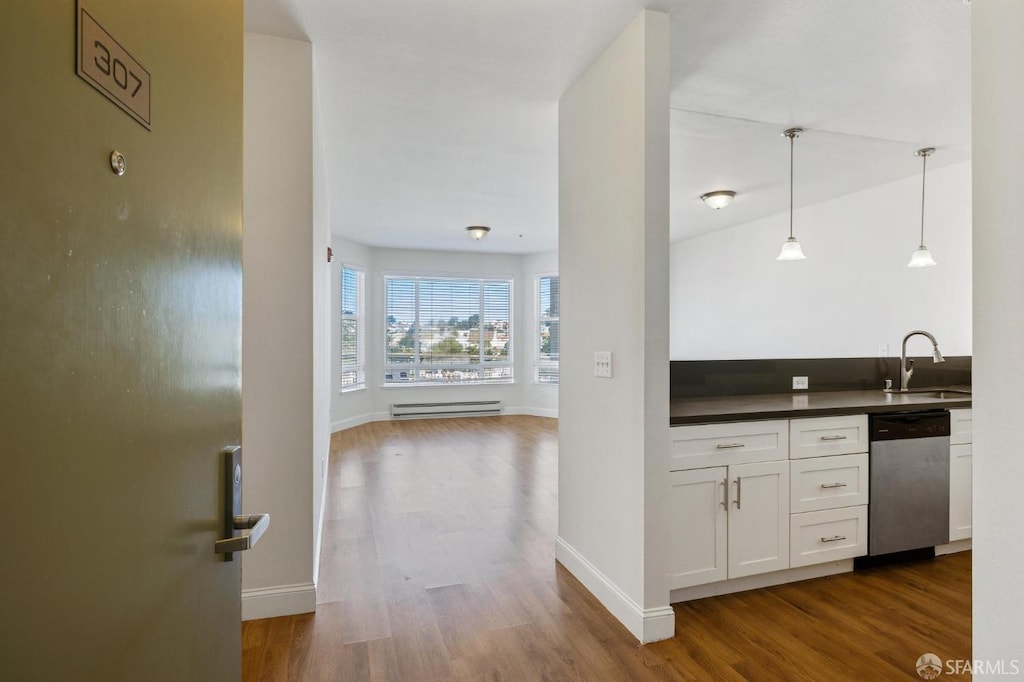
column 922, row 257
column 791, row 249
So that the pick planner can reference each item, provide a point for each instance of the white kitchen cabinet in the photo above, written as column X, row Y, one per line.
column 961, row 476
column 729, row 522
column 699, row 527
column 824, row 436
column 828, row 535
column 960, row 482
column 758, row 518
column 710, row 445
column 961, row 427
column 820, row 483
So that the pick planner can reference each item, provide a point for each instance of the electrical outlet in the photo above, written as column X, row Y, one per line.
column 603, row 364
column 799, row 383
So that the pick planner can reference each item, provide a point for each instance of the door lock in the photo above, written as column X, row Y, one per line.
column 235, row 523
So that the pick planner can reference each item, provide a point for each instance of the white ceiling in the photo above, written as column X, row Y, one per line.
column 443, row 114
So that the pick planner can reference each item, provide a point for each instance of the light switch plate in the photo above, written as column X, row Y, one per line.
column 603, row 364
column 799, row 383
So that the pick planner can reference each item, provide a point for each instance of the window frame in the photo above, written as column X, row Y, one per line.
column 361, row 321
column 416, row 366
column 539, row 320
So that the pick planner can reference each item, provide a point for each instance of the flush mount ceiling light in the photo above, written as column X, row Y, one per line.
column 922, row 257
column 791, row 248
column 478, row 231
column 718, row 199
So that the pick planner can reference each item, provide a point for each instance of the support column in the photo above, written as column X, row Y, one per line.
column 613, row 268
column 998, row 170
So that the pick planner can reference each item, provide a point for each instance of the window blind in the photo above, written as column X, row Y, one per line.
column 353, row 329
column 548, row 337
column 447, row 330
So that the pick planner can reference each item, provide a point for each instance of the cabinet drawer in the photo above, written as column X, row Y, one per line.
column 828, row 436
column 960, row 427
column 820, row 536
column 828, row 482
column 704, row 445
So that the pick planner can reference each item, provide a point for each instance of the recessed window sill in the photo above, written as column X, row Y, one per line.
column 450, row 385
column 353, row 389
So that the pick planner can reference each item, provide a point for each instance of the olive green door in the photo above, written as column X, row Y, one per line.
column 120, row 340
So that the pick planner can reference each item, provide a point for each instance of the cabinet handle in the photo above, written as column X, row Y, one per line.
column 833, row 437
column 834, row 538
column 833, row 485
column 729, row 446
column 725, row 494
column 739, row 491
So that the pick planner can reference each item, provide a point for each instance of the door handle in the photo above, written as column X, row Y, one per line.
column 235, row 523
column 833, row 485
column 739, row 492
column 256, row 524
column 833, row 437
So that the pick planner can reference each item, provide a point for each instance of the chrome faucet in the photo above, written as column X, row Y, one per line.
column 907, row 372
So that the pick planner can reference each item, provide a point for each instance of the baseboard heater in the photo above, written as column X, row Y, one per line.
column 463, row 409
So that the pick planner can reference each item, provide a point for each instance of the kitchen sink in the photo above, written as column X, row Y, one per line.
column 942, row 394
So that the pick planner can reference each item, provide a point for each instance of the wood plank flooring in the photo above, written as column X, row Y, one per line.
column 438, row 564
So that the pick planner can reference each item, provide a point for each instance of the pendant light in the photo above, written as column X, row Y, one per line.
column 922, row 257
column 791, row 248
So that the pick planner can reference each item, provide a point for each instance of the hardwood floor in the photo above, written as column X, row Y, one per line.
column 438, row 564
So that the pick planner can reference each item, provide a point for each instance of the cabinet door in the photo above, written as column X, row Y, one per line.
column 758, row 518
column 698, row 523
column 960, row 480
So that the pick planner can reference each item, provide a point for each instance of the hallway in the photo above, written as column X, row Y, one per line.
column 438, row 563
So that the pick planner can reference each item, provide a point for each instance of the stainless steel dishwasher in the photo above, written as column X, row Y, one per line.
column 909, row 482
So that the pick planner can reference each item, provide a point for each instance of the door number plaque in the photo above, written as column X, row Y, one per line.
column 108, row 67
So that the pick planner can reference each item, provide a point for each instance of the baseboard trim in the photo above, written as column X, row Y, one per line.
column 359, row 420
column 533, row 411
column 320, row 525
column 954, row 547
column 280, row 600
column 647, row 625
column 754, row 582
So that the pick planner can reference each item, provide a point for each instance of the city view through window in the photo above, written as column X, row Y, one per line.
column 445, row 331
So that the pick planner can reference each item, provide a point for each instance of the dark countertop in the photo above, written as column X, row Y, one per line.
column 795, row 405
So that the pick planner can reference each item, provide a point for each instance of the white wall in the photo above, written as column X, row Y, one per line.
column 278, row 414
column 373, row 403
column 731, row 299
column 613, row 265
column 998, row 136
column 352, row 407
column 322, row 328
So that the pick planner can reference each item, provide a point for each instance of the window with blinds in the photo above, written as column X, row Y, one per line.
column 548, row 338
column 353, row 328
column 447, row 330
